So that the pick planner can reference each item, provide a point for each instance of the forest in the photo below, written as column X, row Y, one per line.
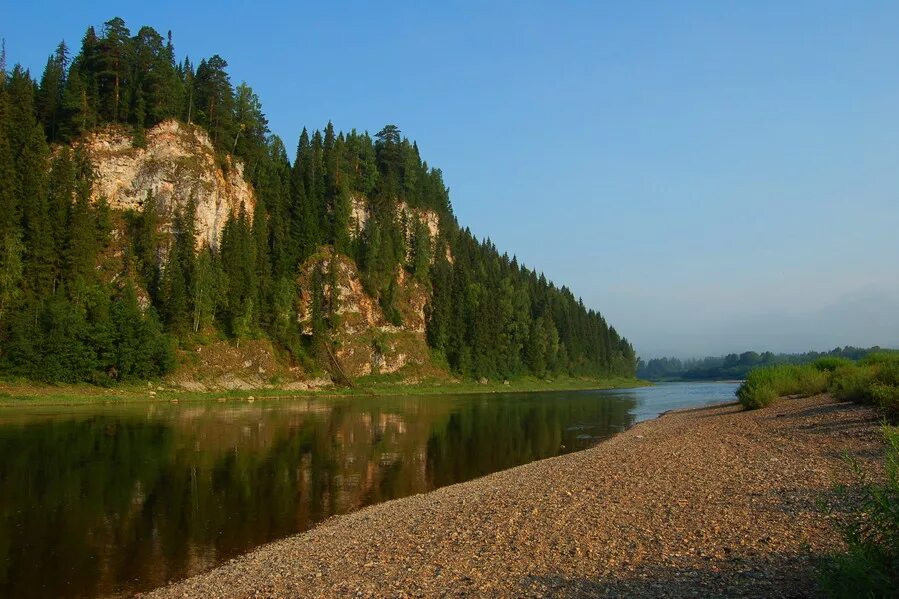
column 734, row 366
column 91, row 294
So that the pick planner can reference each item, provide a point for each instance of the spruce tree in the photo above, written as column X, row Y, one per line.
column 52, row 88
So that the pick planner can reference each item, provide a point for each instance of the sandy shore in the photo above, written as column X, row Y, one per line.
column 699, row 503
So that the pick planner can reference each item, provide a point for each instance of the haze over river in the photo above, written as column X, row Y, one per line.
column 117, row 499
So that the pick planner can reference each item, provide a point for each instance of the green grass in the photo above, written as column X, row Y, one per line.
column 881, row 357
column 15, row 393
column 831, row 363
column 870, row 566
column 873, row 380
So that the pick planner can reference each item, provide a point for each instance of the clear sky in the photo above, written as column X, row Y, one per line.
column 712, row 176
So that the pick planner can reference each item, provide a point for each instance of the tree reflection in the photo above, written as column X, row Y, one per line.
column 123, row 499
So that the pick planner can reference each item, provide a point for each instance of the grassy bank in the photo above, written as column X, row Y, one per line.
column 870, row 566
column 870, row 530
column 872, row 380
column 23, row 392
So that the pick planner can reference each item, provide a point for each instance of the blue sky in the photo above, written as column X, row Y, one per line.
column 712, row 176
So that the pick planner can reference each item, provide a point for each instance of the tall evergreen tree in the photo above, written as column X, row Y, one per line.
column 52, row 88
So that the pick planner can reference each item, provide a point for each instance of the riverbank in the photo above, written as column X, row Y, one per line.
column 27, row 393
column 704, row 502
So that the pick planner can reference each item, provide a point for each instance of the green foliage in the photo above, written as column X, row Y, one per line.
column 852, row 383
column 421, row 251
column 238, row 259
column 69, row 308
column 11, row 252
column 140, row 348
column 881, row 357
column 756, row 396
column 764, row 385
column 492, row 318
column 831, row 363
column 735, row 367
column 873, row 380
column 887, row 397
column 870, row 567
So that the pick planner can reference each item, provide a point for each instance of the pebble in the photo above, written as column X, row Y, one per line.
column 710, row 502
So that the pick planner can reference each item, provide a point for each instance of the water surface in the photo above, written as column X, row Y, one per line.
column 118, row 499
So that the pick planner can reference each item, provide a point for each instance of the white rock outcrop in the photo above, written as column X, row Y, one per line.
column 177, row 163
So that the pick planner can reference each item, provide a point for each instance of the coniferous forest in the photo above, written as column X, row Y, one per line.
column 92, row 294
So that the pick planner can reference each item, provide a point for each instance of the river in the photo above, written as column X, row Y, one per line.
column 112, row 500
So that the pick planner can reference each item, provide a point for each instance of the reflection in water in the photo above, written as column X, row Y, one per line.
column 119, row 499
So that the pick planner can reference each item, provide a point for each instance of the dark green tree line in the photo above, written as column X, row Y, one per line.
column 73, row 306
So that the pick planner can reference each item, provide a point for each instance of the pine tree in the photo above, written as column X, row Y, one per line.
column 304, row 224
column 214, row 101
column 10, row 213
column 421, row 250
column 238, row 258
column 263, row 266
column 11, row 271
column 113, row 66
column 38, row 240
column 52, row 88
column 61, row 320
column 81, row 246
column 148, row 246
column 341, row 221
column 209, row 286
column 141, row 349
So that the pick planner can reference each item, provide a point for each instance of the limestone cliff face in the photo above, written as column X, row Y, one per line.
column 365, row 341
column 177, row 163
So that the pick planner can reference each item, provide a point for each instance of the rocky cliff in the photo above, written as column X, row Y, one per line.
column 364, row 340
column 177, row 163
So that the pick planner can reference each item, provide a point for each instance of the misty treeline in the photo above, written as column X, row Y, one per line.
column 91, row 294
column 735, row 366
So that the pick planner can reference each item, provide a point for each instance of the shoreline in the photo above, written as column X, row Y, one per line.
column 18, row 394
column 712, row 500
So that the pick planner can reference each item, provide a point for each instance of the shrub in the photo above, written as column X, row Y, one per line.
column 870, row 568
column 756, row 396
column 852, row 383
column 875, row 380
column 831, row 363
column 764, row 385
column 887, row 397
column 888, row 373
column 881, row 357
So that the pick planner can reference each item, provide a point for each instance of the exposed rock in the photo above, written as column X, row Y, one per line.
column 225, row 365
column 177, row 164
column 365, row 341
column 358, row 215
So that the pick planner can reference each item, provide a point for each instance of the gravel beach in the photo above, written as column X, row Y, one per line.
column 706, row 502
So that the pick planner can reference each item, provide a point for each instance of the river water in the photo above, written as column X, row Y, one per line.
column 117, row 499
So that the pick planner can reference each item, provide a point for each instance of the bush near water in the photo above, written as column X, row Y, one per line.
column 870, row 566
column 872, row 380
